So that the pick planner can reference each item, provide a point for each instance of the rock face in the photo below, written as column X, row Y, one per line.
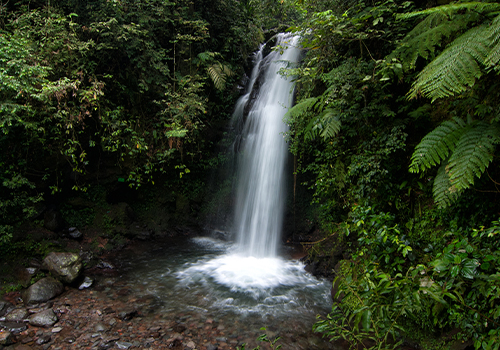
column 5, row 307
column 45, row 318
column 64, row 266
column 43, row 290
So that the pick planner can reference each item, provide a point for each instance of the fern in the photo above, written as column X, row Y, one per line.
column 219, row 72
column 450, row 9
column 427, row 35
column 455, row 68
column 494, row 39
column 443, row 191
column 327, row 125
column 301, row 108
column 473, row 153
column 437, row 145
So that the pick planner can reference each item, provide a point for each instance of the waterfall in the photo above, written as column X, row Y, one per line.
column 263, row 151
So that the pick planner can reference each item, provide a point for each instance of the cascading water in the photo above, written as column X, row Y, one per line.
column 260, row 195
column 217, row 279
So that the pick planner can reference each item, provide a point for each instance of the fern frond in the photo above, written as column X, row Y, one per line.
column 437, row 145
column 327, row 125
column 331, row 124
column 426, row 36
column 206, row 56
column 443, row 191
column 219, row 72
column 450, row 9
column 494, row 41
column 300, row 108
column 455, row 68
column 473, row 153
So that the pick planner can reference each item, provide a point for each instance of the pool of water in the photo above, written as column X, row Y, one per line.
column 205, row 278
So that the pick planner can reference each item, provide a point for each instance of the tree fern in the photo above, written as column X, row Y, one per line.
column 455, row 68
column 450, row 9
column 494, row 39
column 473, row 153
column 427, row 35
column 327, row 125
column 437, row 145
column 301, row 108
column 443, row 191
column 219, row 72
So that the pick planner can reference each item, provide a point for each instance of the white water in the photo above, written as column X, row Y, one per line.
column 260, row 195
column 249, row 277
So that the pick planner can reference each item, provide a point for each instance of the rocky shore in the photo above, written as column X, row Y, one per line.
column 102, row 311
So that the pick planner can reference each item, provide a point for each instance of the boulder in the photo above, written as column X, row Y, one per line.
column 5, row 307
column 45, row 318
column 43, row 290
column 16, row 315
column 6, row 338
column 74, row 233
column 64, row 266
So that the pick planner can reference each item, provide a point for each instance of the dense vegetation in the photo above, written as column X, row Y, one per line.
column 394, row 135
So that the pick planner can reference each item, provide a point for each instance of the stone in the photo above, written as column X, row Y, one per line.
column 87, row 282
column 99, row 327
column 64, row 266
column 45, row 318
column 74, row 233
column 212, row 347
column 16, row 315
column 5, row 307
column 56, row 329
column 44, row 339
column 5, row 338
column 43, row 290
column 14, row 327
column 123, row 344
column 191, row 345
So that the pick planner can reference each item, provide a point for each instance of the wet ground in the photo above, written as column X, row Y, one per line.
column 120, row 312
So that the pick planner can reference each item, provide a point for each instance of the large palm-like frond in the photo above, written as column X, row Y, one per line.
column 219, row 73
column 456, row 68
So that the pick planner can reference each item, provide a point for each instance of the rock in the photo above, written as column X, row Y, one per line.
column 56, row 329
column 6, row 338
column 74, row 233
column 45, row 318
column 5, row 307
column 87, row 282
column 14, row 327
column 41, row 291
column 44, row 339
column 99, row 327
column 212, row 347
column 64, row 266
column 16, row 315
column 191, row 345
column 123, row 344
column 104, row 265
column 127, row 315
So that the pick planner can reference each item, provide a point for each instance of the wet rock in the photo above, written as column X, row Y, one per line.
column 127, row 314
column 43, row 290
column 65, row 266
column 104, row 265
column 44, row 339
column 6, row 338
column 5, row 307
column 56, row 329
column 212, row 347
column 45, row 318
column 123, row 344
column 74, row 233
column 99, row 327
column 16, row 315
column 14, row 327
column 87, row 282
column 179, row 328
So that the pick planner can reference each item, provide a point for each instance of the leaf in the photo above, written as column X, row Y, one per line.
column 366, row 320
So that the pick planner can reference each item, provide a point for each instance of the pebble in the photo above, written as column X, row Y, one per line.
column 123, row 344
column 56, row 329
